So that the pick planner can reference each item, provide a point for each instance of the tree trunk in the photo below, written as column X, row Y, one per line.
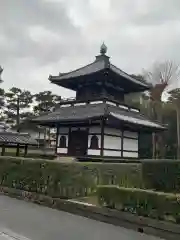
column 18, row 115
column 160, row 139
column 178, row 133
column 161, row 145
column 157, row 139
column 152, row 115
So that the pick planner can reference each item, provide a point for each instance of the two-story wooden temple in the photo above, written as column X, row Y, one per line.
column 97, row 123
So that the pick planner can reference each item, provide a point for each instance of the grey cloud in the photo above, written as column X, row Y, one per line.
column 147, row 12
column 42, row 37
column 17, row 17
column 34, row 12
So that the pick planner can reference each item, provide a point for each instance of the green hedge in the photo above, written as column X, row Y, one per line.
column 146, row 203
column 65, row 180
column 161, row 175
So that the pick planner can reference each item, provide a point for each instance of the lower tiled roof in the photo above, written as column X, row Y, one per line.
column 137, row 121
column 16, row 138
column 73, row 113
column 90, row 111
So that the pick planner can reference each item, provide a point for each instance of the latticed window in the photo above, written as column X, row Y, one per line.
column 62, row 142
column 94, row 142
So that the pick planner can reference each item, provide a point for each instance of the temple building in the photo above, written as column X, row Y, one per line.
column 97, row 123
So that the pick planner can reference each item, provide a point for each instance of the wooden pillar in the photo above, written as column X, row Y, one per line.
column 139, row 144
column 69, row 139
column 153, row 145
column 3, row 150
column 102, row 136
column 39, row 136
column 17, row 150
column 49, row 138
column 57, row 135
column 122, row 142
column 25, row 150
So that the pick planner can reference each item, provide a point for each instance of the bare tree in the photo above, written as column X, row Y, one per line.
column 162, row 75
column 174, row 100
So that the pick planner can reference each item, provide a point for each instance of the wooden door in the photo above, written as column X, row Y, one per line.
column 78, row 143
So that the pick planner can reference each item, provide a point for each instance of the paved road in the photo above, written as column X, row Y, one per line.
column 28, row 221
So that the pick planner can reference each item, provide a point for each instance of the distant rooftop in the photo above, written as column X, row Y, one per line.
column 16, row 138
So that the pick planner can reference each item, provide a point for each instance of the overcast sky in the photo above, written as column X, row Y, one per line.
column 42, row 37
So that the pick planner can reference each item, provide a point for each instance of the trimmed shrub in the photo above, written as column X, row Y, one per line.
column 161, row 175
column 63, row 180
column 146, row 203
column 122, row 174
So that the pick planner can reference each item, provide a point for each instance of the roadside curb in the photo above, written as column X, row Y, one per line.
column 149, row 226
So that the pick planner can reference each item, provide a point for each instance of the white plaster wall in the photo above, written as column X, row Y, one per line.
column 65, row 105
column 95, row 129
column 95, row 152
column 112, row 142
column 130, row 144
column 96, row 102
column 131, row 134
column 112, row 131
column 110, row 153
column 130, row 154
column 80, row 104
column 89, row 140
column 62, row 150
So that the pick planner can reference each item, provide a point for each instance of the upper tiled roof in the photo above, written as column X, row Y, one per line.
column 101, row 63
column 92, row 68
column 127, row 76
column 88, row 69
column 91, row 111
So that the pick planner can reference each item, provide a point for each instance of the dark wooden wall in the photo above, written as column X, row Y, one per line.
column 95, row 92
